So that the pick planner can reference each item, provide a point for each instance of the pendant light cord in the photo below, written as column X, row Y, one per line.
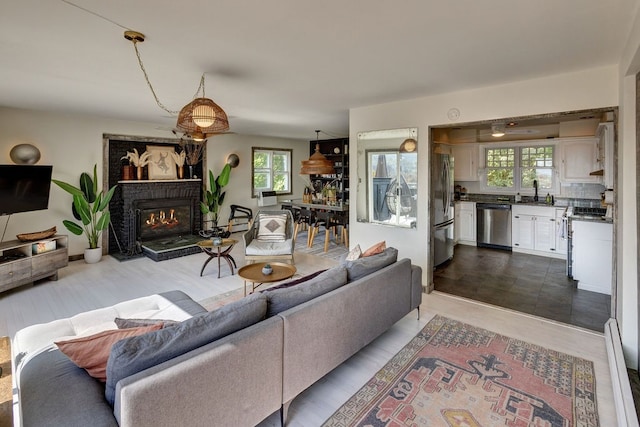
column 146, row 77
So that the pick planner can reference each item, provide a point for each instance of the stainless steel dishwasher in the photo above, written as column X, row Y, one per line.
column 493, row 225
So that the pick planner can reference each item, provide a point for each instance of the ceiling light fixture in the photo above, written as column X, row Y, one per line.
column 199, row 118
column 409, row 145
column 497, row 129
column 317, row 163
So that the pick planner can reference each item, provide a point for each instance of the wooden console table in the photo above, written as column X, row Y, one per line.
column 19, row 264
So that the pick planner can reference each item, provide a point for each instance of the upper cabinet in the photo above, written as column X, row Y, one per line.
column 605, row 135
column 465, row 162
column 578, row 158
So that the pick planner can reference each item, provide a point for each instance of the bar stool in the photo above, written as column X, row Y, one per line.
column 305, row 219
column 323, row 218
column 341, row 219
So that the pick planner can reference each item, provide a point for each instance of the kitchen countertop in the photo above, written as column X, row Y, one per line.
column 560, row 203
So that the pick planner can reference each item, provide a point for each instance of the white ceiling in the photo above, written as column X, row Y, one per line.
column 287, row 67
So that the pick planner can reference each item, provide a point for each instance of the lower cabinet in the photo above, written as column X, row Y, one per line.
column 593, row 255
column 465, row 223
column 534, row 230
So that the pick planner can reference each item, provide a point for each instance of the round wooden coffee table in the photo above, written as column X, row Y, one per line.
column 253, row 273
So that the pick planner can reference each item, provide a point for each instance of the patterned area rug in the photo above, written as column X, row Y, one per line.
column 336, row 251
column 454, row 374
column 6, row 399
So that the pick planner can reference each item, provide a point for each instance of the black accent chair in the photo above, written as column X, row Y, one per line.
column 239, row 212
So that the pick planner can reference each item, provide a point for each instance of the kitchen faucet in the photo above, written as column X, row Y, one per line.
column 535, row 187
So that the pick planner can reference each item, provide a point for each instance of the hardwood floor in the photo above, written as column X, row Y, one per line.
column 527, row 283
column 84, row 287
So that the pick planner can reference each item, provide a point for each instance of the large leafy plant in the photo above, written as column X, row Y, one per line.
column 89, row 207
column 214, row 196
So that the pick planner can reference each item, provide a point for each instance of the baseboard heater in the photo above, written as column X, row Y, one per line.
column 622, row 397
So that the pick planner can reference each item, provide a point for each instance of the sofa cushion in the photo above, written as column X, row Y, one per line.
column 367, row 265
column 91, row 352
column 272, row 227
column 55, row 392
column 283, row 299
column 136, row 354
column 136, row 323
column 354, row 254
column 375, row 249
column 294, row 282
column 259, row 247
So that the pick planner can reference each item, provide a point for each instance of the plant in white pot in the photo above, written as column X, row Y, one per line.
column 90, row 208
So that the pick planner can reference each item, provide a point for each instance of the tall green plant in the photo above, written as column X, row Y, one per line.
column 89, row 207
column 214, row 196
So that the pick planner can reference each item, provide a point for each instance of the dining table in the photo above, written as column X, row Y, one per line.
column 338, row 212
column 298, row 203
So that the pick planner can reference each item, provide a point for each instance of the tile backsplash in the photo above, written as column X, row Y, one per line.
column 581, row 191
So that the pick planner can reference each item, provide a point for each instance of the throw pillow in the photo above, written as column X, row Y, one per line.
column 91, row 352
column 375, row 249
column 283, row 299
column 294, row 282
column 354, row 254
column 136, row 354
column 272, row 228
column 367, row 265
column 136, row 323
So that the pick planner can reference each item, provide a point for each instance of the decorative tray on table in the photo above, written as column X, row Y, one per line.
column 28, row 237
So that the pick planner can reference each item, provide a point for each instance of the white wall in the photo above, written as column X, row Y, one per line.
column 73, row 144
column 627, row 193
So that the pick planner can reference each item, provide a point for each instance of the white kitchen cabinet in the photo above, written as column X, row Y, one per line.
column 522, row 231
column 605, row 135
column 593, row 255
column 578, row 158
column 465, row 223
column 561, row 231
column 465, row 162
column 533, row 230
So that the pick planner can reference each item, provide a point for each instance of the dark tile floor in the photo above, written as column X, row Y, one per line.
column 527, row 283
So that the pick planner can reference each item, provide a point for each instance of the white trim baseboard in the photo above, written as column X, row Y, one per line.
column 622, row 397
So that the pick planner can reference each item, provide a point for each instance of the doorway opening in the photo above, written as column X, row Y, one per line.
column 523, row 280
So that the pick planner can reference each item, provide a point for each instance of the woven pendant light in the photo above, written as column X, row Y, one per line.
column 317, row 163
column 409, row 145
column 202, row 111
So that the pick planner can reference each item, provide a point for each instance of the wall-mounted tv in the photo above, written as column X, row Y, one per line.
column 24, row 188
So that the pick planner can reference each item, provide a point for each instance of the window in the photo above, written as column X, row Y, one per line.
column 515, row 168
column 536, row 163
column 500, row 167
column 271, row 170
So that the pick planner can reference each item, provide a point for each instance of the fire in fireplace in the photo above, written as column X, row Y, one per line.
column 161, row 218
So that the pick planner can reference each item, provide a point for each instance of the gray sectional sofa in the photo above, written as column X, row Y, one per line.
column 233, row 366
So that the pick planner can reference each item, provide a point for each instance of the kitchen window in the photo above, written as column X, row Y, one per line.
column 271, row 170
column 515, row 168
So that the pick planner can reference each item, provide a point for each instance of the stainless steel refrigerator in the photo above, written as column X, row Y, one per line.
column 442, row 191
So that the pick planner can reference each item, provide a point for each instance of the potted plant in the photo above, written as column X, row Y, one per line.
column 89, row 207
column 214, row 197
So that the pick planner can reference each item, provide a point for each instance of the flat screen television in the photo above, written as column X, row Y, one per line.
column 24, row 188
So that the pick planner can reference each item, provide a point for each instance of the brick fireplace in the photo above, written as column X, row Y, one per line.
column 151, row 211
column 145, row 211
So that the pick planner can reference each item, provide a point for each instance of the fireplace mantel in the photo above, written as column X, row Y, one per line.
column 152, row 181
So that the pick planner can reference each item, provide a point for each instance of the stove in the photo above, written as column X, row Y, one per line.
column 588, row 213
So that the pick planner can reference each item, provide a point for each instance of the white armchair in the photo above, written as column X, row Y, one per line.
column 270, row 237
